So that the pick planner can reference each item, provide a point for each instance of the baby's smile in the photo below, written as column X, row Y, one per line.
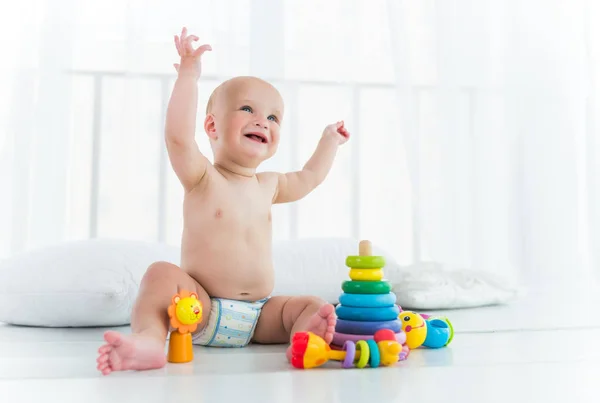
column 257, row 137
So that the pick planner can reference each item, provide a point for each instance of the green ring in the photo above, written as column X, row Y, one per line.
column 366, row 287
column 365, row 352
column 365, row 262
column 451, row 331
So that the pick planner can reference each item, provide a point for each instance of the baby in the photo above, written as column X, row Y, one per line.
column 226, row 241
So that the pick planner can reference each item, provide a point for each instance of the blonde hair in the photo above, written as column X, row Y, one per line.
column 223, row 86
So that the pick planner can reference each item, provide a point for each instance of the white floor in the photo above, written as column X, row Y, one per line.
column 545, row 348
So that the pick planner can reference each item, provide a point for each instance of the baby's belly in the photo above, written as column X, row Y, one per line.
column 234, row 268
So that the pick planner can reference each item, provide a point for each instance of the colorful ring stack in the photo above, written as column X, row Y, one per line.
column 367, row 303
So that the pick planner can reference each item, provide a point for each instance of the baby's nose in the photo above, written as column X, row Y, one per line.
column 261, row 124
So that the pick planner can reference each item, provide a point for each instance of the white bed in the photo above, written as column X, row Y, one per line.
column 544, row 348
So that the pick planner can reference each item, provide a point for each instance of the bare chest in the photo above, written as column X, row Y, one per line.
column 224, row 204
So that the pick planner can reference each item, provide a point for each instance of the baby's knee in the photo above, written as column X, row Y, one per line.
column 159, row 272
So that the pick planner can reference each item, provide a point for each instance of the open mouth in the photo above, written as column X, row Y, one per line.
column 258, row 137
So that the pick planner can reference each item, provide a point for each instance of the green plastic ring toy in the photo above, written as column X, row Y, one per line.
column 451, row 330
column 364, row 353
column 365, row 262
column 366, row 287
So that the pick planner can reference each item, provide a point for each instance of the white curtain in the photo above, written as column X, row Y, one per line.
column 474, row 135
column 497, row 102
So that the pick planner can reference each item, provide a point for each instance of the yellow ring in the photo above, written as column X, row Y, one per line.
column 364, row 353
column 366, row 274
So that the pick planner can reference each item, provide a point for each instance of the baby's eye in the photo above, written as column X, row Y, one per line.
column 246, row 108
column 273, row 118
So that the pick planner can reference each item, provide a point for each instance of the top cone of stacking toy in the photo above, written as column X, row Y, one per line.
column 367, row 303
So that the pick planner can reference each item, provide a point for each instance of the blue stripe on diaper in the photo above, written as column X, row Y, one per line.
column 232, row 332
column 217, row 325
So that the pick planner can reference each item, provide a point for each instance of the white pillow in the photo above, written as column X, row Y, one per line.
column 84, row 283
column 430, row 285
column 95, row 282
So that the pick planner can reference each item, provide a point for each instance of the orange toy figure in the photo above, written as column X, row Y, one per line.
column 310, row 351
column 185, row 312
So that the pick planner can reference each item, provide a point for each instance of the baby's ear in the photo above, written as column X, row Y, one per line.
column 209, row 126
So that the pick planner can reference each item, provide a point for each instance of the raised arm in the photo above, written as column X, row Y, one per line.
column 293, row 186
column 188, row 162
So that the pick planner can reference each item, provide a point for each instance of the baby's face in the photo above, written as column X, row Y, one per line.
column 247, row 121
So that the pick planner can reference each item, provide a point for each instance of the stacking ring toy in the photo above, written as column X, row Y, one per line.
column 368, row 300
column 351, row 327
column 366, row 274
column 340, row 338
column 366, row 287
column 374, row 363
column 367, row 314
column 365, row 262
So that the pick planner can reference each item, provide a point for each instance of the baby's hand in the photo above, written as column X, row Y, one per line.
column 337, row 131
column 190, row 58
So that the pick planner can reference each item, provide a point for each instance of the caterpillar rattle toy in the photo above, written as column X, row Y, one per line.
column 310, row 351
column 185, row 312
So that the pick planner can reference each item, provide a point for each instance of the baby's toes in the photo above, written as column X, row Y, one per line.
column 102, row 358
column 325, row 311
column 102, row 366
column 104, row 349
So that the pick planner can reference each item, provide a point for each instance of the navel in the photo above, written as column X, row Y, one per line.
column 219, row 213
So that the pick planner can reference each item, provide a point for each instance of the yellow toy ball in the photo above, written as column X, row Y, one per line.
column 414, row 327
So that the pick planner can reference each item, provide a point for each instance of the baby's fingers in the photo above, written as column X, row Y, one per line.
column 178, row 45
column 201, row 50
column 183, row 34
column 188, row 44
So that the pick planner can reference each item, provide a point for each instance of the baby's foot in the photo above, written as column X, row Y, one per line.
column 133, row 352
column 321, row 324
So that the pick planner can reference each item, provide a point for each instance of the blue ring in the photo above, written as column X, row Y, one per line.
column 367, row 314
column 374, row 359
column 353, row 327
column 368, row 300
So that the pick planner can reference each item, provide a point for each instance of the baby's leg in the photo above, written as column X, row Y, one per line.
column 145, row 347
column 281, row 317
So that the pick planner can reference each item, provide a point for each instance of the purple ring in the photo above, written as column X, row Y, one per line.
column 350, row 350
column 340, row 338
column 353, row 327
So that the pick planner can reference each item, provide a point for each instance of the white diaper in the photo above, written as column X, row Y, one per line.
column 231, row 323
